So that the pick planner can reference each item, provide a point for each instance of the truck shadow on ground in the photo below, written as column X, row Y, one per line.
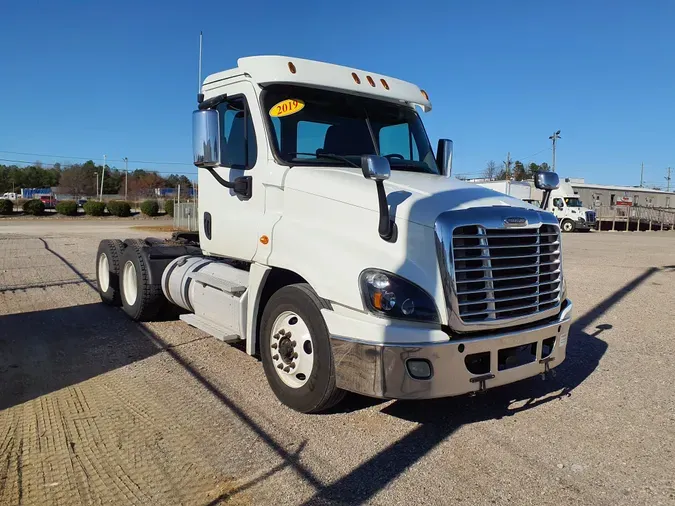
column 44, row 351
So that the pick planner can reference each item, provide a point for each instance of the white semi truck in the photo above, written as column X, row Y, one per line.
column 566, row 205
column 338, row 247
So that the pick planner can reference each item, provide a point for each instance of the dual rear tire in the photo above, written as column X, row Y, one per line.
column 123, row 279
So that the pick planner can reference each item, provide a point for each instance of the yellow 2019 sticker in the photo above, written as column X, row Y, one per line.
column 286, row 108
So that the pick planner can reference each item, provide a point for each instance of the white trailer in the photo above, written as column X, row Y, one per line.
column 517, row 189
column 336, row 244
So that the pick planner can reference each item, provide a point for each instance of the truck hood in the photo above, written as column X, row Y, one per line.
column 415, row 197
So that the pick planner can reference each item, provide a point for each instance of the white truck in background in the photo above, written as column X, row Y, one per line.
column 566, row 205
column 339, row 248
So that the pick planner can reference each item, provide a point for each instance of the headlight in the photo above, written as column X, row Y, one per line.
column 389, row 295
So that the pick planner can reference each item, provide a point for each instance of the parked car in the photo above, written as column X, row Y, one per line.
column 49, row 201
column 81, row 202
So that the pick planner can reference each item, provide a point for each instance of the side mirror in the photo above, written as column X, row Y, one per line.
column 444, row 157
column 206, row 138
column 546, row 181
column 375, row 167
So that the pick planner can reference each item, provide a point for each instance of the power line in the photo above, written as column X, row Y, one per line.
column 535, row 154
column 92, row 158
column 53, row 164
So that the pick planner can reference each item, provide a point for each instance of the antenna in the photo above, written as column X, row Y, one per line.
column 200, row 95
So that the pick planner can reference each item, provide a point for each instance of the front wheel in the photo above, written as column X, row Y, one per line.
column 296, row 352
column 567, row 226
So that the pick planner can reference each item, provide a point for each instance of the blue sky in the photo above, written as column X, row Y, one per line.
column 86, row 78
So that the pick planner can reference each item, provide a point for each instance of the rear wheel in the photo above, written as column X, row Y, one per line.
column 567, row 226
column 141, row 300
column 108, row 269
column 296, row 352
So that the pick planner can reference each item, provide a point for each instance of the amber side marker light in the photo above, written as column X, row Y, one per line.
column 356, row 78
column 424, row 94
column 291, row 67
column 370, row 80
column 385, row 84
column 264, row 239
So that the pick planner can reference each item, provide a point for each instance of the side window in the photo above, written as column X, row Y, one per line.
column 396, row 139
column 238, row 142
column 557, row 202
column 311, row 136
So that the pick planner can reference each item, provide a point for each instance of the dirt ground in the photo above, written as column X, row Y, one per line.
column 95, row 409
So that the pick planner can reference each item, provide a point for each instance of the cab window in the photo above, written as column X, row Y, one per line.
column 237, row 135
column 558, row 202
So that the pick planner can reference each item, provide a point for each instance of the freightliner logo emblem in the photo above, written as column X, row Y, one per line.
column 515, row 222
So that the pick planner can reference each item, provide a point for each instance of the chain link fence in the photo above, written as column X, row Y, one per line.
column 185, row 216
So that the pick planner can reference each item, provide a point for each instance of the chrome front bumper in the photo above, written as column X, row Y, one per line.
column 379, row 370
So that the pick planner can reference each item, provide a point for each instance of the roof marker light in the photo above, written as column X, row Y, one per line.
column 291, row 67
column 384, row 83
column 424, row 94
column 370, row 80
column 356, row 78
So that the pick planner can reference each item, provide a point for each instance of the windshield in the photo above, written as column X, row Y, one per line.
column 320, row 127
column 573, row 202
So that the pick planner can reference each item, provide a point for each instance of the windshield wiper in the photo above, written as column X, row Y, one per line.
column 327, row 155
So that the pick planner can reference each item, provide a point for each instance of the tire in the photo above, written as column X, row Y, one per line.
column 567, row 226
column 317, row 391
column 141, row 300
column 108, row 260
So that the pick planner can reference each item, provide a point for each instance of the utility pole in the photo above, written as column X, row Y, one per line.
column 555, row 138
column 507, row 166
column 668, row 180
column 100, row 198
column 126, row 178
column 642, row 174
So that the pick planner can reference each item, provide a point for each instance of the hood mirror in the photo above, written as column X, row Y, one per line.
column 444, row 157
column 375, row 167
column 546, row 180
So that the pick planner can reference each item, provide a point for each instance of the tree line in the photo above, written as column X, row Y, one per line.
column 518, row 171
column 80, row 179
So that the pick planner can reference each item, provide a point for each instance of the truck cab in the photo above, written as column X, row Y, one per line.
column 566, row 205
column 335, row 242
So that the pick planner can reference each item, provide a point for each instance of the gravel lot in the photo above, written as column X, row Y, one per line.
column 95, row 409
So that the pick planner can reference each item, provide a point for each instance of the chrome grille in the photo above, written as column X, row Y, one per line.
column 590, row 216
column 501, row 274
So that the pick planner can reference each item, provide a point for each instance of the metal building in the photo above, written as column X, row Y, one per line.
column 598, row 195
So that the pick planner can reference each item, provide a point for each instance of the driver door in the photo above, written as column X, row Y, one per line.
column 229, row 222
